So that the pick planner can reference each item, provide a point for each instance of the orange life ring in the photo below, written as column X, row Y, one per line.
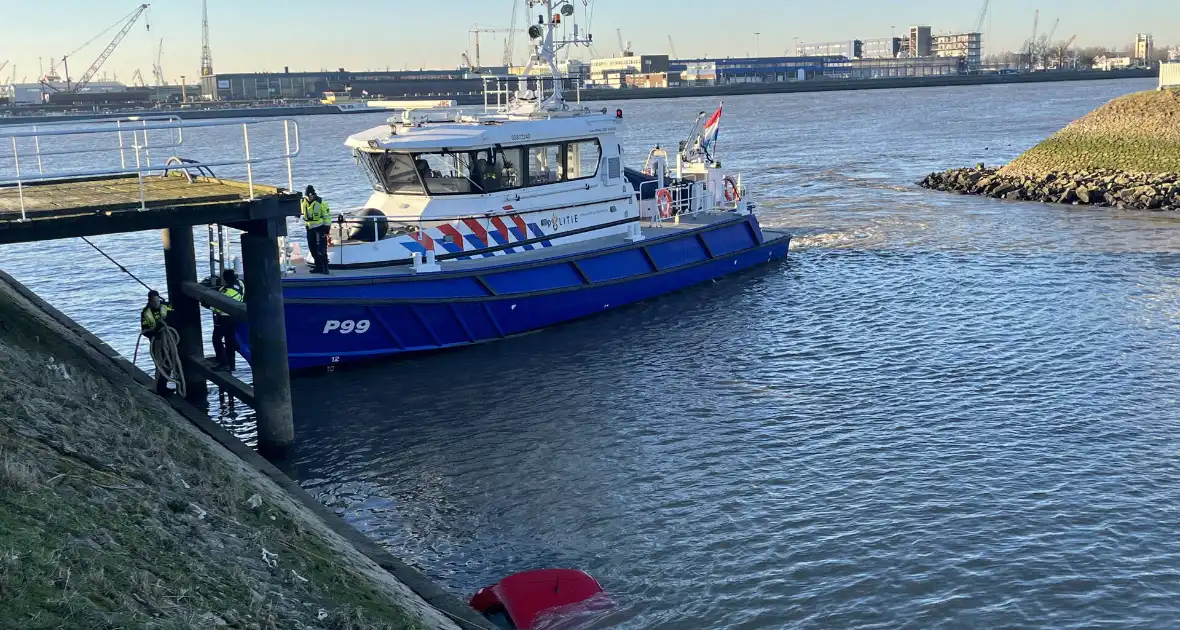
column 664, row 202
column 731, row 189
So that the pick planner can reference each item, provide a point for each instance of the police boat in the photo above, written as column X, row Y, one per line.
column 487, row 225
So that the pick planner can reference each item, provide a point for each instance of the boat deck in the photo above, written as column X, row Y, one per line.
column 62, row 208
column 650, row 231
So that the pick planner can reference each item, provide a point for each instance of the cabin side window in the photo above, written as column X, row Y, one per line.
column 509, row 165
column 546, row 165
column 582, row 159
column 389, row 172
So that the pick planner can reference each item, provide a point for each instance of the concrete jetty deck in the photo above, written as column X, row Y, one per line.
column 89, row 206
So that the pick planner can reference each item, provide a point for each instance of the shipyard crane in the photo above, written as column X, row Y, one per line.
column 510, row 41
column 137, row 79
column 1032, row 43
column 672, row 47
column 1052, row 31
column 158, row 68
column 624, row 49
column 477, row 30
column 206, row 52
column 127, row 22
column 982, row 16
column 3, row 63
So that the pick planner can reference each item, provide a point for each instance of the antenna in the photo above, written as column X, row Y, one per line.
column 546, row 47
column 206, row 54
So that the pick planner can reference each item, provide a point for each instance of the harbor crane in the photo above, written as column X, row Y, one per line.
column 3, row 63
column 982, row 16
column 624, row 50
column 510, row 41
column 507, row 50
column 1032, row 43
column 157, row 68
column 1052, row 31
column 127, row 22
column 672, row 47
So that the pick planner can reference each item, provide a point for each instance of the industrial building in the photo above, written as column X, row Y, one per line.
column 1111, row 62
column 299, row 85
column 611, row 72
column 850, row 49
column 39, row 93
column 900, row 67
column 968, row 46
column 695, row 72
column 572, row 68
column 881, row 48
column 921, row 42
column 1144, row 48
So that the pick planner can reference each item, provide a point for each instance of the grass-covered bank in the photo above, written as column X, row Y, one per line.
column 116, row 513
column 1124, row 154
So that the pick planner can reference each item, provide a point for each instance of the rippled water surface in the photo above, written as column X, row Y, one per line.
column 942, row 411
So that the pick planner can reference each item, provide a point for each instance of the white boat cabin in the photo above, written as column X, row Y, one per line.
column 470, row 186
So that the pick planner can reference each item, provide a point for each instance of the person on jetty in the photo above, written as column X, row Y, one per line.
column 151, row 325
column 318, row 219
column 224, row 343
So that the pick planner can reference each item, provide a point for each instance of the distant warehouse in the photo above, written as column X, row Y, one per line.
column 695, row 72
column 852, row 49
column 299, row 85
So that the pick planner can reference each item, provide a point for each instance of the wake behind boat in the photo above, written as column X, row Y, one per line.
column 484, row 226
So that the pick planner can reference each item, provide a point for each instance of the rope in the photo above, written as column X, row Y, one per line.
column 121, row 267
column 165, row 350
column 165, row 347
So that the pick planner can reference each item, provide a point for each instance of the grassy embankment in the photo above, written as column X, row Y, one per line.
column 116, row 513
column 1137, row 133
column 1124, row 154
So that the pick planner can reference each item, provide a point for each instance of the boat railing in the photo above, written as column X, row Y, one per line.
column 131, row 139
column 500, row 92
column 672, row 200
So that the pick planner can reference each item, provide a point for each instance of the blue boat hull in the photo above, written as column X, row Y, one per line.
column 331, row 322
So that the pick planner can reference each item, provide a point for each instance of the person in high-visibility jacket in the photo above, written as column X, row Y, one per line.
column 318, row 219
column 224, row 343
column 151, row 325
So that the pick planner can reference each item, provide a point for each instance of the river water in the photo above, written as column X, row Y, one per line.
column 942, row 411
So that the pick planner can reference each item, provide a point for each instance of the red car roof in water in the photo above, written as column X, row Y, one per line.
column 526, row 595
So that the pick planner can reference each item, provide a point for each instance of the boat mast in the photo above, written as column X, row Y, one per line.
column 547, row 47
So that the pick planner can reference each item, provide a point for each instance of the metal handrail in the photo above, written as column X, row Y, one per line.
column 39, row 129
column 139, row 144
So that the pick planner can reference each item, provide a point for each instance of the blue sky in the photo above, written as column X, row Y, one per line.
column 251, row 35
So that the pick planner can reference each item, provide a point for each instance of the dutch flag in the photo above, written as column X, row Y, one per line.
column 709, row 132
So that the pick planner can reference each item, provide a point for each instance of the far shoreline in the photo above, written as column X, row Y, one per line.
column 614, row 95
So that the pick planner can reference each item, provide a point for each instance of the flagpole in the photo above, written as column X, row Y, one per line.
column 720, row 107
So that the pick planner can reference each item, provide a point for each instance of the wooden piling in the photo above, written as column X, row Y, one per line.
column 180, row 264
column 268, row 333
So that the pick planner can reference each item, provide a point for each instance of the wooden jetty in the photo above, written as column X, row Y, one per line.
column 171, row 196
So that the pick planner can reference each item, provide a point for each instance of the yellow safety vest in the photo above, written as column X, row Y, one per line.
column 236, row 292
column 148, row 319
column 316, row 213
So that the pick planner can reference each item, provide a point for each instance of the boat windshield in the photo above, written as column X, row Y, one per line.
column 442, row 173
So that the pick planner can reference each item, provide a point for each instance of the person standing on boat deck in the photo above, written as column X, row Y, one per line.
column 318, row 219
column 151, row 325
column 224, row 343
